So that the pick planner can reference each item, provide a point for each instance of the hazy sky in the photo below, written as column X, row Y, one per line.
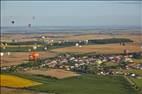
column 71, row 13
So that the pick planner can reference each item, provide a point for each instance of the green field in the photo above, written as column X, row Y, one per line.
column 139, row 72
column 85, row 84
column 138, row 82
column 138, row 60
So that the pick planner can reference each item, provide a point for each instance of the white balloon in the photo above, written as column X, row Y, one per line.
column 76, row 44
column 8, row 53
column 1, row 54
column 34, row 47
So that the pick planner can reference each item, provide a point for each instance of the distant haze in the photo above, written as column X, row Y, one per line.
column 71, row 13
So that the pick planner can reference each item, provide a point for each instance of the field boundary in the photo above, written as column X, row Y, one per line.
column 133, row 84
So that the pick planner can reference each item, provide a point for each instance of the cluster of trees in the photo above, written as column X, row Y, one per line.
column 62, row 44
column 109, row 41
column 23, row 43
column 70, row 43
column 97, row 41
column 137, row 55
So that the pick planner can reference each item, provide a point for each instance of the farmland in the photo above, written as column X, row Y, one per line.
column 5, row 90
column 139, row 72
column 15, row 82
column 100, row 49
column 56, row 73
column 84, row 84
column 20, row 50
column 138, row 82
column 75, row 47
column 19, row 57
column 61, row 79
column 68, row 36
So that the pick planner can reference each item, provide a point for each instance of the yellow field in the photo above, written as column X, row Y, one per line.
column 15, row 82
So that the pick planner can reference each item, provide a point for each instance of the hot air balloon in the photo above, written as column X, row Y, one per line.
column 12, row 22
column 34, row 56
column 29, row 25
column 12, row 19
column 33, row 17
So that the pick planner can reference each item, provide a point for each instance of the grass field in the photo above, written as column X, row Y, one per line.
column 138, row 82
column 139, row 72
column 84, row 84
column 15, row 82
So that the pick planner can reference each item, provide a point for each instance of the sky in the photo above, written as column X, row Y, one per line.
column 71, row 13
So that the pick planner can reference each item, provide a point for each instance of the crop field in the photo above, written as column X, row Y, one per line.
column 100, row 49
column 138, row 82
column 67, row 82
column 84, row 84
column 19, row 57
column 57, row 73
column 137, row 60
column 32, row 37
column 137, row 38
column 15, row 82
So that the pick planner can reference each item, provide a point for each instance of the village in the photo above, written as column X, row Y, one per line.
column 96, row 64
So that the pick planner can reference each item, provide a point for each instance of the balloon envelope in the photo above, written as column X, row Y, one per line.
column 29, row 25
column 33, row 17
column 12, row 22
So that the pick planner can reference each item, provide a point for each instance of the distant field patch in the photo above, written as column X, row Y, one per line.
column 57, row 73
column 5, row 90
column 86, row 84
column 100, row 49
column 16, row 82
column 139, row 72
column 19, row 57
column 83, row 84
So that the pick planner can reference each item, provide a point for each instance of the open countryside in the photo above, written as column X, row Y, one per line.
column 71, row 47
column 51, row 75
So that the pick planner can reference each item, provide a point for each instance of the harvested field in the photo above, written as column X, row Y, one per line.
column 19, row 57
column 32, row 37
column 100, row 49
column 16, row 82
column 57, row 73
column 137, row 38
